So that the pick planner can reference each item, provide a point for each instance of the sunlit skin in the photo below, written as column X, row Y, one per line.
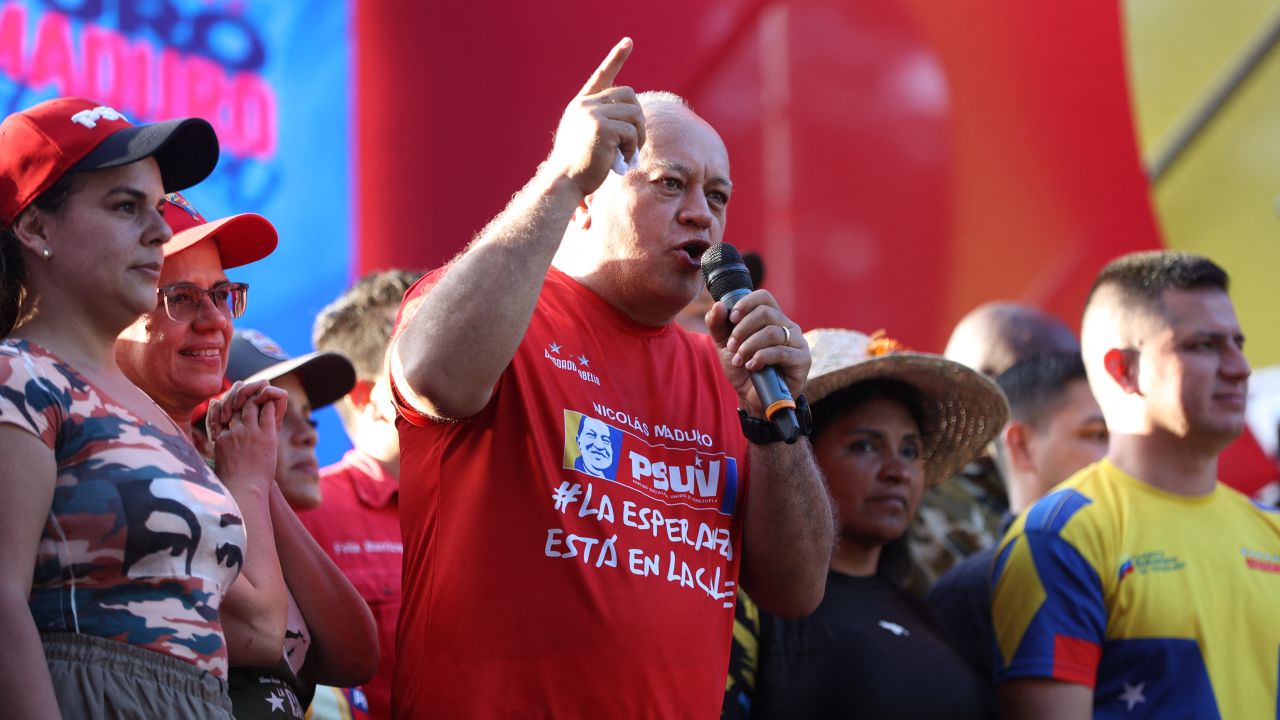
column 108, row 237
column 1193, row 372
column 180, row 364
column 650, row 226
column 297, row 469
column 872, row 457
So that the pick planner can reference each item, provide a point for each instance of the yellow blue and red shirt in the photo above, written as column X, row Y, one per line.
column 1166, row 605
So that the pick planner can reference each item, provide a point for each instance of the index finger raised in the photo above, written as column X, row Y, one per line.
column 604, row 75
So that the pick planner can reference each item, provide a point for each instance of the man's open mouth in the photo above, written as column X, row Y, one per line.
column 694, row 249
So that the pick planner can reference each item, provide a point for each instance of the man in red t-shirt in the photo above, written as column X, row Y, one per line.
column 578, row 494
column 358, row 522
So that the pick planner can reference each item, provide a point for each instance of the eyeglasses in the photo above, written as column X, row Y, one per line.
column 182, row 301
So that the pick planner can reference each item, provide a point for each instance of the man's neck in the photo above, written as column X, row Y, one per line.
column 1022, row 489
column 1166, row 462
column 645, row 312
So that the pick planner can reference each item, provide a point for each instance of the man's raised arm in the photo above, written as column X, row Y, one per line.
column 450, row 349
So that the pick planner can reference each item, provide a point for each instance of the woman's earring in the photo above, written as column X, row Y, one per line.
column 46, row 253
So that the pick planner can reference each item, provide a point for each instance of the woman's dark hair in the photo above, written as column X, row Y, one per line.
column 13, row 272
column 841, row 402
column 894, row 566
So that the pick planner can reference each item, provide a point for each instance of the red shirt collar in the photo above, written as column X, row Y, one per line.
column 374, row 485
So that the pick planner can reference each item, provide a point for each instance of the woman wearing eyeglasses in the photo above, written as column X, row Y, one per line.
column 119, row 544
column 178, row 354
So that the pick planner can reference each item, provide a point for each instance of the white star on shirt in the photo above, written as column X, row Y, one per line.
column 1132, row 695
column 582, row 360
column 277, row 702
column 697, row 461
column 555, row 348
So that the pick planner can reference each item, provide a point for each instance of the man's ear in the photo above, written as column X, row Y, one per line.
column 359, row 395
column 1016, row 437
column 582, row 213
column 1122, row 366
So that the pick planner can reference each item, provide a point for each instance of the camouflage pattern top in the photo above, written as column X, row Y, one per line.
column 142, row 540
column 961, row 516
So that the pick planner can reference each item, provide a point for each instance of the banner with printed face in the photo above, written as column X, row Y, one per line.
column 272, row 78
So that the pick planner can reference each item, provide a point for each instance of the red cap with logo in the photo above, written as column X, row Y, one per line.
column 42, row 143
column 241, row 239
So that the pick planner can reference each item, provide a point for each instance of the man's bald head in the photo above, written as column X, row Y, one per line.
column 994, row 336
column 637, row 239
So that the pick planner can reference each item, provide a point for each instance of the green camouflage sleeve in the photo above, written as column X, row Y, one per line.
column 956, row 519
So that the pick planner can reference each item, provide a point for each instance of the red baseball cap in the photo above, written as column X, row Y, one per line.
column 42, row 143
column 241, row 239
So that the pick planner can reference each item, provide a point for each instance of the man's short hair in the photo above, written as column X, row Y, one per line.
column 1140, row 279
column 653, row 98
column 356, row 324
column 1035, row 384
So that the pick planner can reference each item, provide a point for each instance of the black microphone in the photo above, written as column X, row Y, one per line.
column 729, row 280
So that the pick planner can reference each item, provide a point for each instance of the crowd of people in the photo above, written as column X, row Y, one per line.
column 560, row 502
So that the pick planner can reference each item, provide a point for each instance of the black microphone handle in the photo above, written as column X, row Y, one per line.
column 770, row 387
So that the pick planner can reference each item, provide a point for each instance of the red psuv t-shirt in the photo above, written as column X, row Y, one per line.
column 572, row 551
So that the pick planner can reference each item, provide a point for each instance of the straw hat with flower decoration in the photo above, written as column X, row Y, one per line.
column 963, row 409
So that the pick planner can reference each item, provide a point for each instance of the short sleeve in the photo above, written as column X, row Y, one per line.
column 413, row 298
column 1048, row 607
column 30, row 397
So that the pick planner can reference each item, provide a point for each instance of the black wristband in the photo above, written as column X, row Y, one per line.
column 759, row 431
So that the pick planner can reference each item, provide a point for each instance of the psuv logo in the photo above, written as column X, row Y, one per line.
column 705, row 481
column 90, row 118
column 673, row 475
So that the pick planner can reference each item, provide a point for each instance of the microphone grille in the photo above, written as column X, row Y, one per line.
column 724, row 270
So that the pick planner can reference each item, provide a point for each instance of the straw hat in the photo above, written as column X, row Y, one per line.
column 963, row 409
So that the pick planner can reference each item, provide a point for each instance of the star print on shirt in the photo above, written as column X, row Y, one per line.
column 555, row 348
column 582, row 360
column 277, row 702
column 1132, row 694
